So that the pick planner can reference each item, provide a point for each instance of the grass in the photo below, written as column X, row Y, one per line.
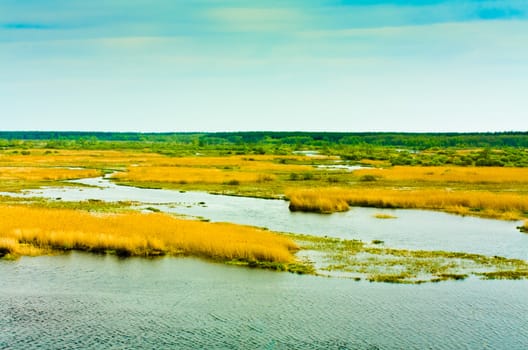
column 494, row 192
column 35, row 226
column 16, row 178
column 509, row 206
column 35, row 230
column 384, row 216
column 137, row 234
column 90, row 205
column 184, row 175
column 449, row 174
column 358, row 260
column 77, row 158
column 524, row 227
column 45, row 173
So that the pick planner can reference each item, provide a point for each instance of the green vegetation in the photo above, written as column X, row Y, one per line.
column 359, row 260
column 91, row 205
column 486, row 149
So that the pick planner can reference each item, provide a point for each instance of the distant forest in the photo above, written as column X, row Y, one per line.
column 418, row 141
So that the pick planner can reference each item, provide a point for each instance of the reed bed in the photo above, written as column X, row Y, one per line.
column 136, row 234
column 230, row 160
column 185, row 175
column 510, row 206
column 80, row 158
column 471, row 175
column 384, row 216
column 44, row 173
column 260, row 163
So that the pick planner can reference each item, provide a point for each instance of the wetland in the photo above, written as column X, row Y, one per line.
column 346, row 226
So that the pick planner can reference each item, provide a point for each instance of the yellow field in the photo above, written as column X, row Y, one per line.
column 37, row 174
column 39, row 157
column 509, row 206
column 239, row 161
column 159, row 163
column 30, row 231
column 77, row 158
column 471, row 175
column 185, row 175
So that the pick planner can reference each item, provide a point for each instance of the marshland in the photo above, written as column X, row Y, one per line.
column 448, row 217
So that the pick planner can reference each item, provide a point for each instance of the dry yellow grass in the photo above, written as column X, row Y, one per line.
column 190, row 175
column 509, row 206
column 374, row 163
column 136, row 234
column 245, row 163
column 384, row 216
column 120, row 159
column 470, row 175
column 77, row 158
column 37, row 173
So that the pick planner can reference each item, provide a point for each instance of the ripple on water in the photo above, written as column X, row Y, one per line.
column 104, row 302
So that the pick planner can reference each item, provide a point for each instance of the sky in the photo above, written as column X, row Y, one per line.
column 274, row 65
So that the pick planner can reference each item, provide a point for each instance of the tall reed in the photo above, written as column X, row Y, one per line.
column 326, row 200
column 469, row 175
column 190, row 175
column 45, row 173
column 137, row 234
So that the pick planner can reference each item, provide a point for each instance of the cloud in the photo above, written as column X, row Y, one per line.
column 249, row 19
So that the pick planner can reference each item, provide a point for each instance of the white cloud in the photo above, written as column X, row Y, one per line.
column 251, row 19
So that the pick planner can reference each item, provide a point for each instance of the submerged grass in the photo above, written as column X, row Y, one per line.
column 137, row 234
column 358, row 260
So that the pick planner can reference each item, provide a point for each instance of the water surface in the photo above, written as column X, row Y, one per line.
column 93, row 302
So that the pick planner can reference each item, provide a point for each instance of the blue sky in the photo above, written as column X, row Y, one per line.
column 211, row 65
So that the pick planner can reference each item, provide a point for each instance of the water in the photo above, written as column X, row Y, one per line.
column 93, row 302
column 413, row 229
